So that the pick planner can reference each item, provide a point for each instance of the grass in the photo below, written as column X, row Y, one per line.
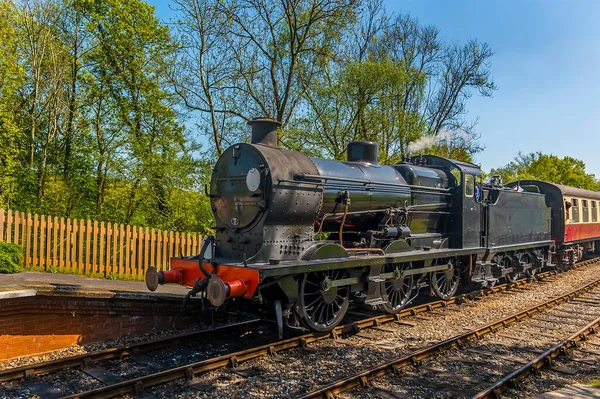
column 595, row 383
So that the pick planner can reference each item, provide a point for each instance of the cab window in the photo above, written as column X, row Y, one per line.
column 469, row 185
column 575, row 210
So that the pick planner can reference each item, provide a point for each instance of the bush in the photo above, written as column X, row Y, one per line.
column 11, row 256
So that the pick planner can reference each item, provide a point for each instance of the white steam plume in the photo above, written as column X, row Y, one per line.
column 422, row 143
column 442, row 136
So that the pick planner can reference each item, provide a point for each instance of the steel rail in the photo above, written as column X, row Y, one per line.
column 545, row 359
column 86, row 359
column 138, row 385
column 395, row 365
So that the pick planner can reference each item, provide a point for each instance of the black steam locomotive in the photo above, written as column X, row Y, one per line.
column 307, row 236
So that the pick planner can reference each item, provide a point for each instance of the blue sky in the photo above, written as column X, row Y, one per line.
column 546, row 66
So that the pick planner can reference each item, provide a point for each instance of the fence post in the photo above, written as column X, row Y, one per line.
column 34, row 254
column 61, row 248
column 108, row 260
column 27, row 239
column 121, row 251
column 74, row 231
column 115, row 235
column 166, row 248
column 68, row 244
column 152, row 248
column 140, row 243
column 43, row 239
column 17, row 220
column 95, row 249
column 1, row 224
column 146, row 250
column 88, row 244
column 9, row 221
column 158, row 262
column 80, row 258
column 101, row 266
column 127, row 250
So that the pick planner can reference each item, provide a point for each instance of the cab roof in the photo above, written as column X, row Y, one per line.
column 464, row 167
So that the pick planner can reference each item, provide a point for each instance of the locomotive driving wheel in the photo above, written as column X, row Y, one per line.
column 322, row 306
column 444, row 283
column 512, row 274
column 398, row 289
column 527, row 264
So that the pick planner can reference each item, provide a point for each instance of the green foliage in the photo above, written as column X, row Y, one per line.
column 11, row 75
column 11, row 257
column 90, row 126
column 363, row 101
column 112, row 276
column 393, row 82
column 551, row 168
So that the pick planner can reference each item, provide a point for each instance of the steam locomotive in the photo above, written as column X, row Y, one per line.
column 306, row 236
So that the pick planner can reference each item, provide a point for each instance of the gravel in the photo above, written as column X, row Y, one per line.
column 485, row 369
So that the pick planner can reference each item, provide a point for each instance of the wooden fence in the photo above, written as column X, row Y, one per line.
column 93, row 248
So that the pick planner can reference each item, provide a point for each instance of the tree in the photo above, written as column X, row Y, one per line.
column 142, row 139
column 41, row 52
column 253, row 57
column 551, row 168
column 393, row 83
column 11, row 77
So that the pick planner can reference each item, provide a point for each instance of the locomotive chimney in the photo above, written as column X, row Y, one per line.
column 264, row 131
column 363, row 152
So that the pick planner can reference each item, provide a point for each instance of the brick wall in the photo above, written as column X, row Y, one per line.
column 37, row 324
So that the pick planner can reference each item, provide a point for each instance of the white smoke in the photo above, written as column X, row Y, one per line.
column 443, row 136
column 422, row 143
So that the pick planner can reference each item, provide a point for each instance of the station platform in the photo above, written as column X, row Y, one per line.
column 62, row 284
column 42, row 312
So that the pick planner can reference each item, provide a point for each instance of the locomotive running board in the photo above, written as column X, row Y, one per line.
column 298, row 267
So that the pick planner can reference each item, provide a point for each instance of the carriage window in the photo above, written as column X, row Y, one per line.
column 594, row 211
column 469, row 185
column 584, row 211
column 575, row 210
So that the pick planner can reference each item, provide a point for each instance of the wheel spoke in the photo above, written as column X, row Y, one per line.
column 319, row 298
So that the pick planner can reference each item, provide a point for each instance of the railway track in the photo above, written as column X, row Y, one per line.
column 115, row 386
column 553, row 327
